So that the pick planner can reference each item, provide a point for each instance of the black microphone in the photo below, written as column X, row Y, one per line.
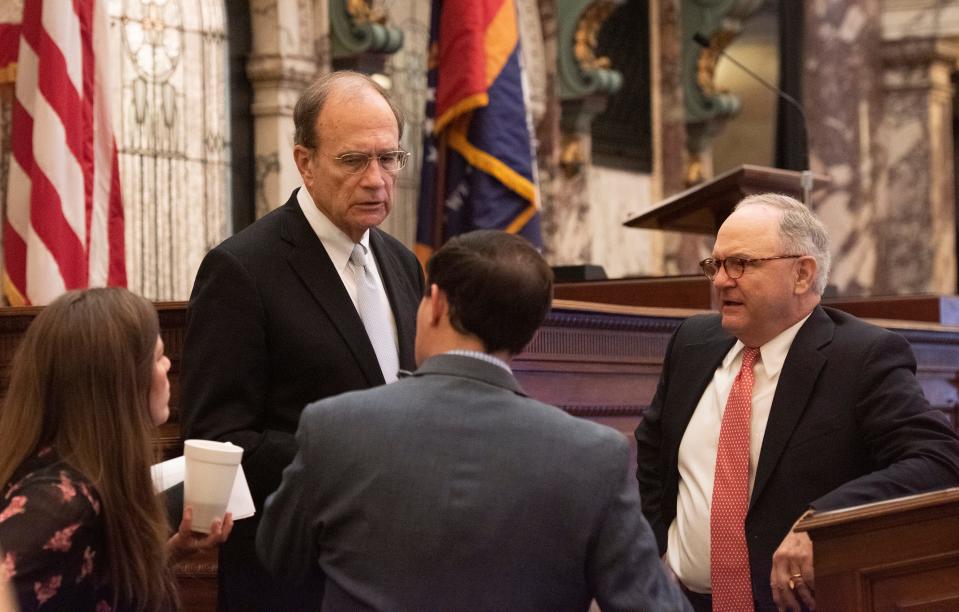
column 806, row 179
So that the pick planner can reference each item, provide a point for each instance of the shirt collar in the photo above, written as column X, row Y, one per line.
column 773, row 353
column 481, row 356
column 338, row 245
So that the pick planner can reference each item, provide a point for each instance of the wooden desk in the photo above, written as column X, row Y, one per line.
column 896, row 555
column 695, row 291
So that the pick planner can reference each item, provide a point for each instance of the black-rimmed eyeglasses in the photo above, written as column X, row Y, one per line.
column 357, row 163
column 735, row 266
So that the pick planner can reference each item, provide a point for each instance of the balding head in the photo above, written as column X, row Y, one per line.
column 312, row 100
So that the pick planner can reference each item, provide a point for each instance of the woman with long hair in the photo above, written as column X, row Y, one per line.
column 80, row 524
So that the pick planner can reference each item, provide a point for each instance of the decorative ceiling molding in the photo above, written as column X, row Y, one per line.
column 361, row 26
column 581, row 71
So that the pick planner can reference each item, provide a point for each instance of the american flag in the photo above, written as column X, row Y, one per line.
column 63, row 227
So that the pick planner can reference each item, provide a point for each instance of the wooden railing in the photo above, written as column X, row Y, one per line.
column 597, row 361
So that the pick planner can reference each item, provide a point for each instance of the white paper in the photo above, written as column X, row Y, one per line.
column 172, row 472
column 241, row 500
column 168, row 474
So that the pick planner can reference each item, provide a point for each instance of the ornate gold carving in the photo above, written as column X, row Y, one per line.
column 587, row 35
column 706, row 62
column 366, row 11
column 571, row 158
column 8, row 76
column 694, row 170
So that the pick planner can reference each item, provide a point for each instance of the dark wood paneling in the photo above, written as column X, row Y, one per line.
column 658, row 292
column 942, row 309
column 896, row 555
column 695, row 291
column 597, row 361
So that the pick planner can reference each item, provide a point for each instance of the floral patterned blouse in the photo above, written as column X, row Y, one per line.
column 52, row 543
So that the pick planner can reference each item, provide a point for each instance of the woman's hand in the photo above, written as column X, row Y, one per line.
column 186, row 542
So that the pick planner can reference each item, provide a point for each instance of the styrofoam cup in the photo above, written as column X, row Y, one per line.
column 210, row 472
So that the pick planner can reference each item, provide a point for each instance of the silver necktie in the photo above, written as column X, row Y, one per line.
column 374, row 311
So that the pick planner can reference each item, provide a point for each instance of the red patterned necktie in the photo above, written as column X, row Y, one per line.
column 729, row 557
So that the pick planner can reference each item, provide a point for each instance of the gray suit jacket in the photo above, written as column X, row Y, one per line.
column 451, row 490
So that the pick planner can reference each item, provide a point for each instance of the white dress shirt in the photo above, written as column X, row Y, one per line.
column 688, row 545
column 339, row 246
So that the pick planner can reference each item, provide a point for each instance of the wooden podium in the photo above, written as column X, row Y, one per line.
column 701, row 209
column 899, row 555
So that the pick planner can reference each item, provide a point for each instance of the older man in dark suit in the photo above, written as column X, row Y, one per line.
column 309, row 301
column 774, row 406
column 452, row 490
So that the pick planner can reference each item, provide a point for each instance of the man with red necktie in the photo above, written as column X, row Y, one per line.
column 774, row 406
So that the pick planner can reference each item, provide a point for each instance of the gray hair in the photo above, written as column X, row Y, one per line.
column 314, row 97
column 800, row 231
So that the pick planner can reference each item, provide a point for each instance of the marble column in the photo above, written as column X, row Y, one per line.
column 407, row 70
column 669, row 120
column 843, row 100
column 557, row 206
column 535, row 62
column 585, row 81
column 680, row 252
column 915, row 195
column 568, row 220
column 290, row 46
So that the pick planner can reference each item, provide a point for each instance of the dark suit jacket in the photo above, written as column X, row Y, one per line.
column 270, row 328
column 451, row 490
column 848, row 425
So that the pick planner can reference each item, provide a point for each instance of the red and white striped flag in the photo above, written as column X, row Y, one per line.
column 64, row 218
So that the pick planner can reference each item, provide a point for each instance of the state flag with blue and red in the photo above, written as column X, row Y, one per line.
column 478, row 167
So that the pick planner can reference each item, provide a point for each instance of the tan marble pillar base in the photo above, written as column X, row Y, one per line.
column 843, row 99
column 277, row 83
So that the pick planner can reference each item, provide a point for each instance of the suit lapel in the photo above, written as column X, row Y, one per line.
column 309, row 260
column 796, row 381
column 404, row 312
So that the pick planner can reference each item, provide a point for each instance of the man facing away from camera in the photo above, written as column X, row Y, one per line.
column 453, row 490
